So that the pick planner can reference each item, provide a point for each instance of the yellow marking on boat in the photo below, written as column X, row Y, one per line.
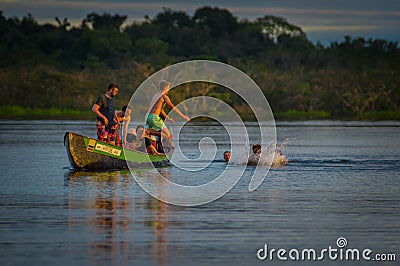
column 107, row 149
column 91, row 144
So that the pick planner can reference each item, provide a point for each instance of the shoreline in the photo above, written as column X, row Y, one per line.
column 27, row 113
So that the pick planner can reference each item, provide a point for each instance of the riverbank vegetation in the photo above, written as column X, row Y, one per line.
column 58, row 71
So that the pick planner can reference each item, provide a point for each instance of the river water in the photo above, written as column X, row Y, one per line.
column 342, row 180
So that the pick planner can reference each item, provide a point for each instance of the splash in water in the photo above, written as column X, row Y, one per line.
column 269, row 156
column 279, row 159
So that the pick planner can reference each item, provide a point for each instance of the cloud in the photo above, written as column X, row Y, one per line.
column 300, row 11
column 74, row 10
column 154, row 7
column 93, row 5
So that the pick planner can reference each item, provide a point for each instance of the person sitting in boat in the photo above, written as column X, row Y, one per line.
column 140, row 140
column 255, row 156
column 124, row 118
column 227, row 156
column 104, row 108
column 130, row 136
column 157, row 138
column 154, row 136
column 153, row 118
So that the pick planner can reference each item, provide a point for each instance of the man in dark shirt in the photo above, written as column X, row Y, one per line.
column 104, row 108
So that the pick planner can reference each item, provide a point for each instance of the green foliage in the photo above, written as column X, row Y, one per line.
column 43, row 113
column 302, row 115
column 105, row 21
column 150, row 47
column 380, row 115
column 66, row 67
column 218, row 21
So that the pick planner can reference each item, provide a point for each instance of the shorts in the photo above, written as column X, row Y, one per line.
column 105, row 134
column 155, row 122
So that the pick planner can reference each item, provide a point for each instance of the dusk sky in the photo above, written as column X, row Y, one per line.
column 324, row 21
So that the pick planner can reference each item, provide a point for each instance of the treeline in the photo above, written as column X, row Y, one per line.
column 67, row 67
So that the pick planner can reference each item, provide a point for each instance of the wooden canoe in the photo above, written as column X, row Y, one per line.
column 90, row 154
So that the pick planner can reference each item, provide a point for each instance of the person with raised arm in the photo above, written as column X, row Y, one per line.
column 156, row 112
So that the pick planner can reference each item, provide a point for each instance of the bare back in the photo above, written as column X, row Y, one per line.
column 157, row 104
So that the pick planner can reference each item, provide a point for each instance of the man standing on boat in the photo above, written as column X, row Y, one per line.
column 104, row 108
column 153, row 119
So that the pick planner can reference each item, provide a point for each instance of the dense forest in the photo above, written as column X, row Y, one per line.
column 60, row 69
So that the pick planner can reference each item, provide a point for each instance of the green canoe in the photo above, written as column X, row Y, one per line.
column 91, row 154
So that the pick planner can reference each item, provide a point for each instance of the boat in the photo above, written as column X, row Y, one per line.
column 85, row 153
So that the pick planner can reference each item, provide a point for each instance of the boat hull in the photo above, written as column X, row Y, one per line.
column 85, row 153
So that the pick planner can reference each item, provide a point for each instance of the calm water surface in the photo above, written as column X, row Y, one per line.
column 343, row 180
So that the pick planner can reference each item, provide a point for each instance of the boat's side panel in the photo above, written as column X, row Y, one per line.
column 81, row 158
column 100, row 147
column 90, row 154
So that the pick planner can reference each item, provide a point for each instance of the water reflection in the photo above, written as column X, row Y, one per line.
column 159, row 225
column 106, row 204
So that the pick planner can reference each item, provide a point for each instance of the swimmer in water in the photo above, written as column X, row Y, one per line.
column 279, row 159
column 227, row 156
column 253, row 158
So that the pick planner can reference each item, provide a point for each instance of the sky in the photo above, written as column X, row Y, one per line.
column 325, row 21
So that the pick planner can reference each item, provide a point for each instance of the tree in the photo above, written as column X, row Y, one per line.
column 169, row 19
column 142, row 30
column 272, row 28
column 220, row 22
column 105, row 21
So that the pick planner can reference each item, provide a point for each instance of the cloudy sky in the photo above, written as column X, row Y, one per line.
column 322, row 20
